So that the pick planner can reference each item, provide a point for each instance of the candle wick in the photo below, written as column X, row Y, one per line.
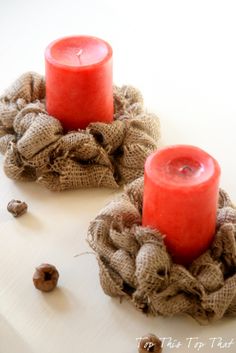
column 79, row 54
column 186, row 169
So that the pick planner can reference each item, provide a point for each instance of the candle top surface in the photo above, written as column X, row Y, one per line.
column 78, row 52
column 181, row 166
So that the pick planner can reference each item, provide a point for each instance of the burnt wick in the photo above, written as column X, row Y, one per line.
column 186, row 169
column 78, row 54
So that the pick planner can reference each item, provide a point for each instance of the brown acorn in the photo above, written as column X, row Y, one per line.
column 45, row 277
column 150, row 343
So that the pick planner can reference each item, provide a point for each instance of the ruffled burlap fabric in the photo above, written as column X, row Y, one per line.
column 36, row 149
column 134, row 264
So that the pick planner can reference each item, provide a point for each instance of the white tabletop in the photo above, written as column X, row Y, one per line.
column 181, row 54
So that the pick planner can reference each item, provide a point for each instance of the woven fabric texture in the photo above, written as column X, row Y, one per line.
column 103, row 155
column 134, row 263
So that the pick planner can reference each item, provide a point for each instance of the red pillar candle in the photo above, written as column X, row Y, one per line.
column 79, row 81
column 180, row 199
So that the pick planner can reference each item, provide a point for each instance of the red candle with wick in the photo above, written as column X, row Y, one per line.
column 181, row 185
column 79, row 81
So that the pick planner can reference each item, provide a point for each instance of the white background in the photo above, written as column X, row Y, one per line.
column 182, row 56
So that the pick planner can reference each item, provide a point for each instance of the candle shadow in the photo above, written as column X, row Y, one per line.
column 179, row 326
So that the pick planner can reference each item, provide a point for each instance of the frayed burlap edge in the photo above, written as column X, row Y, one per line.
column 134, row 263
column 103, row 155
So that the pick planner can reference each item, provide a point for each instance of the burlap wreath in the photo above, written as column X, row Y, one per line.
column 134, row 263
column 36, row 148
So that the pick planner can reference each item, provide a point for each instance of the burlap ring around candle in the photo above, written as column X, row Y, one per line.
column 134, row 263
column 36, row 149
